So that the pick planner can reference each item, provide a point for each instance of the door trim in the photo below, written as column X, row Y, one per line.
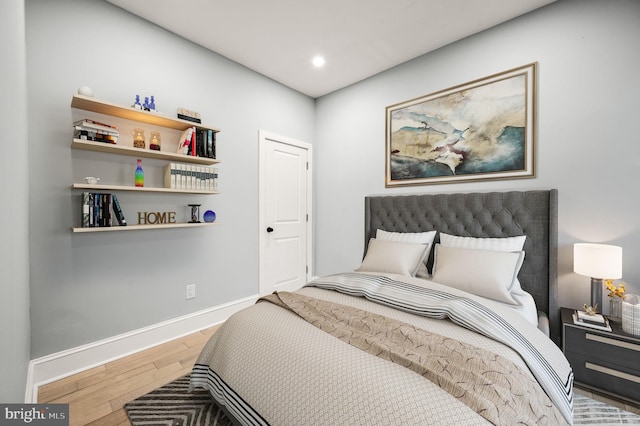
column 263, row 137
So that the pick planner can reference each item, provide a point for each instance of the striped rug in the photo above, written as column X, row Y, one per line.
column 173, row 405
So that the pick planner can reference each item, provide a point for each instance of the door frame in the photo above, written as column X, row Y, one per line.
column 263, row 137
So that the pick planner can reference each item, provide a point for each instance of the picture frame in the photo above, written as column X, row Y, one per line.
column 480, row 130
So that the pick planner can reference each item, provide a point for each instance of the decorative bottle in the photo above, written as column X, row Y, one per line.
column 139, row 174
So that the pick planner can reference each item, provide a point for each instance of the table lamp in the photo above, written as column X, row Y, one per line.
column 598, row 261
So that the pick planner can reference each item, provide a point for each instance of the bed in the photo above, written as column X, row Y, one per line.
column 452, row 317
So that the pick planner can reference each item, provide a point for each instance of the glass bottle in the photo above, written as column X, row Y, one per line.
column 139, row 179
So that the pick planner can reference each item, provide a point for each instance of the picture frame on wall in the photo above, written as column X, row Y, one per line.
column 480, row 130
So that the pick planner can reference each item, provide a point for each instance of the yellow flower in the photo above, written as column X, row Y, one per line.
column 613, row 290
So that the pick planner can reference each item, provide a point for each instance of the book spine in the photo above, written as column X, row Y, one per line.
column 117, row 211
column 85, row 209
column 209, row 143
column 209, row 185
column 169, row 176
column 92, row 221
column 214, row 144
column 193, row 143
column 105, row 210
column 215, row 179
column 96, row 209
column 183, row 176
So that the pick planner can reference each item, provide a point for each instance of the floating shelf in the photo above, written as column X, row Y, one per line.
column 100, row 187
column 142, row 227
column 139, row 152
column 90, row 104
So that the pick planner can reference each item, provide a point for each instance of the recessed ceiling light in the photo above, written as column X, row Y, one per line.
column 318, row 61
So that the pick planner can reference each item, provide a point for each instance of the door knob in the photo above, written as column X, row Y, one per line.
column 269, row 229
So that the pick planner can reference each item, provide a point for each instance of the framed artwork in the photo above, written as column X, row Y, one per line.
column 483, row 129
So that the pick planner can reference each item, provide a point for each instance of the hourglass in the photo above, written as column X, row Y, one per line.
column 195, row 213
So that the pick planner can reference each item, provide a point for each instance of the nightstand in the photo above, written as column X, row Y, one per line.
column 603, row 361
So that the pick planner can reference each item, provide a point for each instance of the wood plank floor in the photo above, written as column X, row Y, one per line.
column 97, row 396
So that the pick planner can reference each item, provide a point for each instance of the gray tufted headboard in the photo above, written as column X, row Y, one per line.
column 490, row 214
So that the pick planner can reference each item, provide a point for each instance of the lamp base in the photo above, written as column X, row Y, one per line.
column 596, row 293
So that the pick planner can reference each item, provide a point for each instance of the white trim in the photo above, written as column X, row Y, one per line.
column 263, row 136
column 71, row 361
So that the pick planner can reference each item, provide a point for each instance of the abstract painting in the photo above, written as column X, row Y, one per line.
column 483, row 129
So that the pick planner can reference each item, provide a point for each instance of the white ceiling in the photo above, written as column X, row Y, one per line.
column 358, row 38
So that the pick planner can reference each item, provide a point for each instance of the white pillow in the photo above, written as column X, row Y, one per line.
column 497, row 244
column 393, row 257
column 486, row 273
column 411, row 237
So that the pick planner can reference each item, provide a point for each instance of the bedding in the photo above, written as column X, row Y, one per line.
column 297, row 373
column 485, row 273
column 425, row 238
column 394, row 257
column 348, row 349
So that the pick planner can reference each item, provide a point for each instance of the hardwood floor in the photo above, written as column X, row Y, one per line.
column 97, row 396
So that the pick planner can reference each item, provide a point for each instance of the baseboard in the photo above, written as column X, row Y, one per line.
column 72, row 361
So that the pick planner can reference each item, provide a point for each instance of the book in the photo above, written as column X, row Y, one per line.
column 171, row 176
column 96, row 125
column 96, row 210
column 85, row 209
column 117, row 210
column 210, row 151
column 94, row 135
column 105, row 210
column 603, row 327
column 92, row 221
column 193, row 143
column 594, row 319
column 185, row 141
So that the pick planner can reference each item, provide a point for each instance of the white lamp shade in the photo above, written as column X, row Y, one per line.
column 597, row 260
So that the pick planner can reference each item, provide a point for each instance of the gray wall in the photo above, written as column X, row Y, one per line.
column 588, row 104
column 14, row 251
column 85, row 287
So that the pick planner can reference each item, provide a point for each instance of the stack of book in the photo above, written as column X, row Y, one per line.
column 97, row 208
column 191, row 177
column 91, row 130
column 198, row 142
column 596, row 321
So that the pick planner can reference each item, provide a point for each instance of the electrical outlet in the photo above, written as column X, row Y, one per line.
column 191, row 291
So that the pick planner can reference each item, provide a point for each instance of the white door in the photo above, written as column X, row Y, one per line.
column 285, row 213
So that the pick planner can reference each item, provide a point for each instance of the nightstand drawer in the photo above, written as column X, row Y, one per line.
column 605, row 375
column 604, row 347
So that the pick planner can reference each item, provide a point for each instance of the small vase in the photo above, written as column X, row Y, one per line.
column 615, row 309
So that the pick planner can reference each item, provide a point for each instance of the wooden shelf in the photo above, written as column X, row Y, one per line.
column 100, row 187
column 139, row 152
column 90, row 104
column 142, row 227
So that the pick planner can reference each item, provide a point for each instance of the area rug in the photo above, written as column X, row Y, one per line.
column 174, row 405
